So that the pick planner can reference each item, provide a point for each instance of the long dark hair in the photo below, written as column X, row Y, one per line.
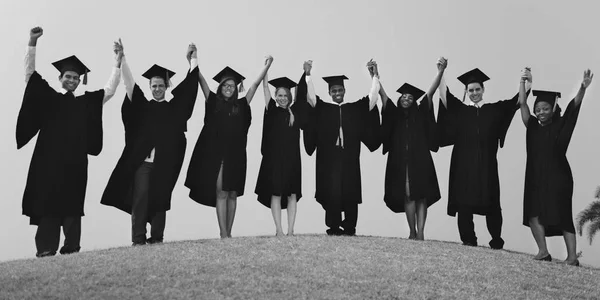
column 222, row 101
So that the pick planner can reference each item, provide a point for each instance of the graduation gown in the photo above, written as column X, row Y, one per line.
column 408, row 135
column 338, row 178
column 548, row 178
column 223, row 139
column 152, row 125
column 69, row 129
column 280, row 171
column 476, row 134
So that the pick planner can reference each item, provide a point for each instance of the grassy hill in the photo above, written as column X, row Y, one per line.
column 300, row 267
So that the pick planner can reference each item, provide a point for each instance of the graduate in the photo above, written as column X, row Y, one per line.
column 336, row 131
column 143, row 180
column 69, row 128
column 476, row 129
column 547, row 202
column 217, row 172
column 279, row 180
column 408, row 135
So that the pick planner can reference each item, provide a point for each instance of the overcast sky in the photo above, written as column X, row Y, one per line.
column 557, row 39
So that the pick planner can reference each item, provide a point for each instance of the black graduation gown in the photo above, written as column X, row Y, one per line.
column 69, row 129
column 222, row 139
column 148, row 125
column 475, row 134
column 548, row 178
column 280, row 171
column 338, row 178
column 408, row 135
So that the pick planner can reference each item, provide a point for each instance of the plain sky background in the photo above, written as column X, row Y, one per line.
column 557, row 39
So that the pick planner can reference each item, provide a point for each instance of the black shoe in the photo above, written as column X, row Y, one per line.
column 545, row 258
column 45, row 254
column 138, row 243
column 575, row 263
column 334, row 231
column 154, row 241
column 471, row 244
column 497, row 244
column 65, row 250
column 349, row 232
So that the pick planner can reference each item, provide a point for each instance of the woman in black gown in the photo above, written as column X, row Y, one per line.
column 547, row 202
column 217, row 171
column 409, row 134
column 279, row 180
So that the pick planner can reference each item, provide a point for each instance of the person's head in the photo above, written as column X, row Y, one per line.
column 283, row 97
column 71, row 70
column 337, row 90
column 158, row 81
column 228, row 88
column 229, row 80
column 473, row 81
column 410, row 94
column 543, row 107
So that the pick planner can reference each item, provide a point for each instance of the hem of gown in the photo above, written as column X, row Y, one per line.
column 265, row 199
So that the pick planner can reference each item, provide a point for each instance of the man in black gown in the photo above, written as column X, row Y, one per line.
column 143, row 180
column 336, row 131
column 69, row 128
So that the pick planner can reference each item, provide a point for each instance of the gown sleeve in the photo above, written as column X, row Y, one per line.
column 309, row 125
column 37, row 101
column 448, row 120
column 430, row 128
column 185, row 94
column 267, row 127
column 507, row 110
column 371, row 135
column 388, row 118
column 569, row 120
column 94, row 101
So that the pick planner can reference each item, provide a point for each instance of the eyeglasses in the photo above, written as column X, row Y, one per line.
column 229, row 86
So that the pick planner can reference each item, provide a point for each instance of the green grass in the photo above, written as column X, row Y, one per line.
column 300, row 267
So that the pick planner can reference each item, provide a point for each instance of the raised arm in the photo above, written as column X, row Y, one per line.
column 201, row 79
column 126, row 73
column 441, row 66
column 254, row 86
column 34, row 34
column 115, row 75
column 442, row 88
column 525, row 112
column 375, row 86
column 266, row 90
column 374, row 72
column 587, row 80
column 311, row 96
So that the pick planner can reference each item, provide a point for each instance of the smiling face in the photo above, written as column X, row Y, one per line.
column 406, row 100
column 228, row 88
column 475, row 91
column 158, row 88
column 283, row 97
column 543, row 112
column 337, row 93
column 69, row 80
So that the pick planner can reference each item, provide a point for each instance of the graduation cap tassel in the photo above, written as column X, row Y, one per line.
column 241, row 89
column 85, row 78
column 464, row 95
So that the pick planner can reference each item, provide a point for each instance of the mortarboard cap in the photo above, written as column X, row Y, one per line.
column 229, row 73
column 158, row 71
column 410, row 89
column 282, row 82
column 335, row 80
column 72, row 63
column 474, row 75
column 546, row 96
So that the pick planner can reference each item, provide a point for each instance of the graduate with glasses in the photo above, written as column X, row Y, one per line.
column 143, row 180
column 69, row 128
column 216, row 176
column 548, row 197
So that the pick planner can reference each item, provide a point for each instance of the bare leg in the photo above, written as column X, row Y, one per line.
column 291, row 213
column 540, row 237
column 221, row 205
column 421, row 217
column 409, row 208
column 571, row 248
column 276, row 211
column 231, row 206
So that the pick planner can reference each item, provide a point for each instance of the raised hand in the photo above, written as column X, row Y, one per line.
column 441, row 64
column 118, row 49
column 192, row 52
column 526, row 74
column 268, row 60
column 36, row 32
column 307, row 66
column 587, row 78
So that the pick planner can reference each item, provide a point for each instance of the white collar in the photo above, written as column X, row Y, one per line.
column 63, row 91
column 479, row 104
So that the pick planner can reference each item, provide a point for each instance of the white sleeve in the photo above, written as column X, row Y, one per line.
column 29, row 62
column 311, row 95
column 443, row 89
column 127, row 78
column 111, row 86
column 374, row 93
column 193, row 63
